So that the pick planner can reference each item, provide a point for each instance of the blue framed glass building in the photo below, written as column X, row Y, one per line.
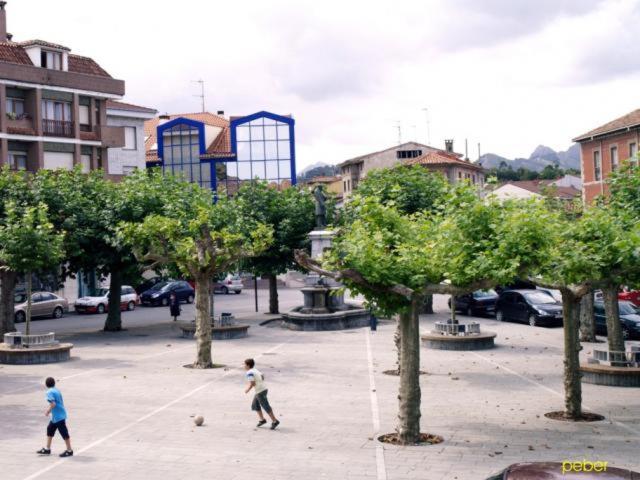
column 221, row 154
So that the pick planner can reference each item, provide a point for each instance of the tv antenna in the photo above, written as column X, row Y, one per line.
column 426, row 113
column 201, row 96
column 399, row 127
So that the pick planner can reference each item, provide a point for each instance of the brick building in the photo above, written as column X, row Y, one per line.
column 603, row 150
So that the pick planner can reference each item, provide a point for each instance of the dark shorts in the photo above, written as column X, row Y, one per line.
column 260, row 402
column 60, row 426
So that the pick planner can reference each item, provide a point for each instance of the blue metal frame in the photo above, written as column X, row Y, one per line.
column 172, row 123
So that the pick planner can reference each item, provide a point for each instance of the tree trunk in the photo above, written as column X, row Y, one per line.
column 409, row 394
column 396, row 340
column 273, row 293
column 113, row 323
column 427, row 305
column 203, row 323
column 7, row 293
column 612, row 312
column 572, row 375
column 587, row 323
column 27, row 329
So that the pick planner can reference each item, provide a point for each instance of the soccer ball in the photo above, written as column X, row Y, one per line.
column 199, row 420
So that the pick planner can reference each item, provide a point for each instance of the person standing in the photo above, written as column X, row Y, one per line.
column 174, row 306
column 58, row 419
column 260, row 401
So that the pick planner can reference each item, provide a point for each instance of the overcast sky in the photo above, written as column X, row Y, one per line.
column 510, row 74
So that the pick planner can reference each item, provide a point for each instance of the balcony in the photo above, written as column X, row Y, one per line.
column 20, row 124
column 57, row 128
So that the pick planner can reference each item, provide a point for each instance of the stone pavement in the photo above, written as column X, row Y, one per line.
column 131, row 404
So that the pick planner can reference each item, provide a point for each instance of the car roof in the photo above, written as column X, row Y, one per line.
column 553, row 471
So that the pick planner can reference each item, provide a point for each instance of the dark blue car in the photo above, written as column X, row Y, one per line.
column 160, row 292
column 629, row 319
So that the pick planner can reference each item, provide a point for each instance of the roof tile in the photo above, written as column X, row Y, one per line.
column 631, row 119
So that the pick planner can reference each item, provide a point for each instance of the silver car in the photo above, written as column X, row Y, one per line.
column 43, row 304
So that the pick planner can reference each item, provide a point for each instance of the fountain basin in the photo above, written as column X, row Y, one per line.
column 351, row 316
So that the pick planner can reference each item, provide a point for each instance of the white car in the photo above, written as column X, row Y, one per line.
column 100, row 302
column 231, row 283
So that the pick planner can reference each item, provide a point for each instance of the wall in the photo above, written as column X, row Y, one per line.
column 118, row 157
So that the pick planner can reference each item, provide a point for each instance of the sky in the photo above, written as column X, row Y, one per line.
column 508, row 74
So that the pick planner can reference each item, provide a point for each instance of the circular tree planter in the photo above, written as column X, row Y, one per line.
column 611, row 376
column 59, row 352
column 480, row 341
column 585, row 417
column 227, row 332
column 425, row 439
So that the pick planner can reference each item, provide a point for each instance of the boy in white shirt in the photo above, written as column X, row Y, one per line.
column 260, row 402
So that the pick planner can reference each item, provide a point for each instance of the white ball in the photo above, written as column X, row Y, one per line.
column 199, row 420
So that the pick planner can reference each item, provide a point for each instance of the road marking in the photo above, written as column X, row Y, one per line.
column 550, row 390
column 375, row 411
column 142, row 419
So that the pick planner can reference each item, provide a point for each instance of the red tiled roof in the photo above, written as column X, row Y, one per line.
column 43, row 43
column 13, row 53
column 86, row 65
column 442, row 158
column 129, row 107
column 631, row 119
column 405, row 145
column 222, row 142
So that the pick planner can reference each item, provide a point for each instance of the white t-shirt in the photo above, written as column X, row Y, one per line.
column 254, row 375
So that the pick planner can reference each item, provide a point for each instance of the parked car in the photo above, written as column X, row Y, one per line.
column 629, row 319
column 231, row 283
column 516, row 285
column 147, row 284
column 553, row 292
column 632, row 296
column 43, row 304
column 99, row 303
column 480, row 302
column 534, row 307
column 159, row 293
column 567, row 470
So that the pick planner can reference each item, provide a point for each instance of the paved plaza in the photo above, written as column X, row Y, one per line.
column 131, row 405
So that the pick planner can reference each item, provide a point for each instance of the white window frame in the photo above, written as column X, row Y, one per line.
column 597, row 166
column 613, row 149
column 128, row 146
column 12, row 159
column 11, row 105
column 84, row 115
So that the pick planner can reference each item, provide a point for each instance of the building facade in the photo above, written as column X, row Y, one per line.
column 222, row 154
column 604, row 149
column 565, row 189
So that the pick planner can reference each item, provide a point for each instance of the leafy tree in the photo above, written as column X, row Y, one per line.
column 200, row 238
column 29, row 244
column 290, row 212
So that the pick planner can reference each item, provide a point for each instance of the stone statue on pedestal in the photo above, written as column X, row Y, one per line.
column 321, row 207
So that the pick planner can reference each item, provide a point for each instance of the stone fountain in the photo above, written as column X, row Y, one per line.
column 324, row 307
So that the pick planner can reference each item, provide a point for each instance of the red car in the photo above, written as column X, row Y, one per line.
column 632, row 296
column 565, row 470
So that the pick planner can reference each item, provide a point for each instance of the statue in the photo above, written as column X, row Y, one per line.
column 321, row 208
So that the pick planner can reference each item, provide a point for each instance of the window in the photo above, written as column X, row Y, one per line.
column 84, row 115
column 52, row 60
column 129, row 138
column 85, row 162
column 597, row 168
column 17, row 160
column 408, row 153
column 614, row 158
column 15, row 107
column 633, row 151
column 55, row 110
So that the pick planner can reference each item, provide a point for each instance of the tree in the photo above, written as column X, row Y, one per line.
column 200, row 238
column 290, row 212
column 29, row 244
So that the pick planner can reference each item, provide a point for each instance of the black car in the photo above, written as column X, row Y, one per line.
column 534, row 307
column 480, row 302
column 629, row 318
column 159, row 293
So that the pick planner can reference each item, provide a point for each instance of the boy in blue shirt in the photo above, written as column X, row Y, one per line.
column 58, row 419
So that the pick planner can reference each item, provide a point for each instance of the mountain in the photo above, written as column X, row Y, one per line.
column 319, row 169
column 539, row 158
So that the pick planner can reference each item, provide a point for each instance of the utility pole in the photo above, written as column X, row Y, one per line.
column 426, row 112
column 466, row 150
column 399, row 127
column 479, row 151
column 201, row 96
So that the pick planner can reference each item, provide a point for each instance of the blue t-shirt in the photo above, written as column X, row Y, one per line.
column 58, row 413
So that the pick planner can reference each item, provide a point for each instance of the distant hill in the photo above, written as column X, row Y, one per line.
column 539, row 158
column 319, row 169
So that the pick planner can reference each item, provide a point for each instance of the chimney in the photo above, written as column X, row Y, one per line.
column 220, row 112
column 448, row 146
column 163, row 118
column 3, row 23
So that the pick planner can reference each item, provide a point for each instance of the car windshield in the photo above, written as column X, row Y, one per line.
column 485, row 293
column 159, row 286
column 627, row 308
column 539, row 298
column 20, row 298
column 102, row 292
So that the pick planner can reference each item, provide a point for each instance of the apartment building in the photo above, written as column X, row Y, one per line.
column 53, row 106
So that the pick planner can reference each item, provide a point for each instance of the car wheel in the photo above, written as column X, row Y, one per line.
column 225, row 290
column 190, row 299
column 57, row 312
column 533, row 321
column 164, row 302
column 100, row 308
column 238, row 292
column 499, row 316
column 131, row 305
column 20, row 317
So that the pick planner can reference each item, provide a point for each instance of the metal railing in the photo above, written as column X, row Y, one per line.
column 20, row 340
column 57, row 128
column 445, row 328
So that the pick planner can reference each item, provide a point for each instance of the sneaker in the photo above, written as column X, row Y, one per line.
column 275, row 424
column 261, row 422
column 44, row 451
column 67, row 453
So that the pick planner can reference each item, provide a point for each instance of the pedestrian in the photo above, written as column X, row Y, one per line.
column 260, row 401
column 373, row 321
column 174, row 306
column 58, row 419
